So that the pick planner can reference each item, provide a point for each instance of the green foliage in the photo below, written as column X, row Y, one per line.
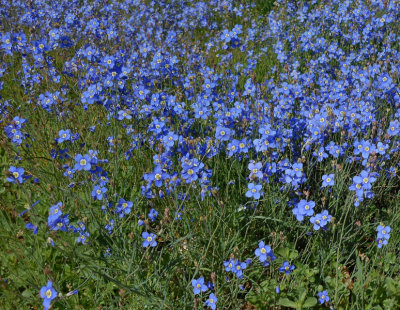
column 264, row 6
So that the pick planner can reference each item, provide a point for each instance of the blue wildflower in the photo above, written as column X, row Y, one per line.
column 199, row 286
column 323, row 297
column 149, row 239
column 48, row 293
column 211, row 301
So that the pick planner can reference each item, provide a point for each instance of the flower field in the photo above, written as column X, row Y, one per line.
column 187, row 154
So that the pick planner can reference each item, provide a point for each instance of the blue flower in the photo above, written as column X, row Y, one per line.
column 55, row 214
column 110, row 226
column 230, row 265
column 223, row 133
column 190, row 169
column 303, row 208
column 323, row 297
column 17, row 175
column 211, row 301
column 152, row 214
column 328, row 180
column 357, row 186
column 124, row 114
column 286, row 267
column 254, row 191
column 383, row 232
column 32, row 227
column 381, row 242
column 149, row 239
column 320, row 219
column 321, row 155
column 238, row 269
column 83, row 235
column 64, row 135
column 82, row 162
column 263, row 251
column 98, row 192
column 124, row 207
column 255, row 170
column 48, row 293
column 199, row 286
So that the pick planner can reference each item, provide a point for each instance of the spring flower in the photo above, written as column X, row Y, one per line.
column 149, row 239
column 263, row 251
column 254, row 191
column 199, row 286
column 211, row 301
column 323, row 297
column 328, row 180
column 48, row 293
column 16, row 175
column 82, row 162
column 286, row 268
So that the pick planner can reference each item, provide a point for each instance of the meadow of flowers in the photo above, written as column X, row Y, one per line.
column 187, row 154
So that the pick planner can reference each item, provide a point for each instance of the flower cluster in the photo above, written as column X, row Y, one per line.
column 320, row 220
column 383, row 235
column 171, row 96
column 236, row 267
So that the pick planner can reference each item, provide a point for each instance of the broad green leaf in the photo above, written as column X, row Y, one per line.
column 310, row 302
column 286, row 302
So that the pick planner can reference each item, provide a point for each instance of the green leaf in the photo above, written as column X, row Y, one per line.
column 286, row 302
column 390, row 285
column 310, row 302
column 301, row 293
column 293, row 254
column 27, row 293
column 284, row 252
